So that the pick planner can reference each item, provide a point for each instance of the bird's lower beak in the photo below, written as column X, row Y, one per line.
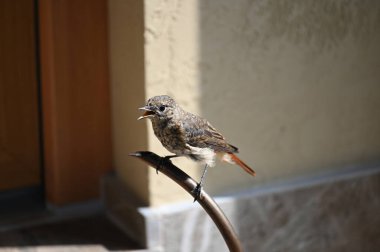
column 148, row 112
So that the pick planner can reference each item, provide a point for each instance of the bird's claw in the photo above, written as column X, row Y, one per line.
column 197, row 192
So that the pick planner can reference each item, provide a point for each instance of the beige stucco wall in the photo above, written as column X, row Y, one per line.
column 126, row 42
column 299, row 81
column 172, row 67
column 294, row 84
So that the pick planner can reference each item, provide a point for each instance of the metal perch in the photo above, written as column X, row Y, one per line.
column 186, row 182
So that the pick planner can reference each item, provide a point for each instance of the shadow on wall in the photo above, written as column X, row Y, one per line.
column 293, row 84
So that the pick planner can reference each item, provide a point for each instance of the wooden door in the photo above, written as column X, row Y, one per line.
column 75, row 98
column 20, row 162
column 62, row 51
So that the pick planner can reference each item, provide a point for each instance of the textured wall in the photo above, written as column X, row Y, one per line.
column 172, row 67
column 126, row 35
column 294, row 84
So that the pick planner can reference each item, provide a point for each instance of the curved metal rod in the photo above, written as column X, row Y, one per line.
column 186, row 182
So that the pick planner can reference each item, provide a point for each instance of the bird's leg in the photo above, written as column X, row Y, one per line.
column 164, row 160
column 197, row 190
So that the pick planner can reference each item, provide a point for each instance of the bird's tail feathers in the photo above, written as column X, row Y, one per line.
column 232, row 157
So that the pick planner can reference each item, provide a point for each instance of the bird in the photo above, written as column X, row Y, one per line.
column 189, row 135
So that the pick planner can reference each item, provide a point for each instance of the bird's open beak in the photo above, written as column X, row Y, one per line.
column 148, row 112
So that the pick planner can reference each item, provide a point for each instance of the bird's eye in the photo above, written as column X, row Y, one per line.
column 162, row 108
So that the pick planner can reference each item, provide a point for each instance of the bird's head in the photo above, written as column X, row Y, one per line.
column 158, row 107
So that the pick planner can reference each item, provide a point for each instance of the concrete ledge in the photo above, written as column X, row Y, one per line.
column 333, row 212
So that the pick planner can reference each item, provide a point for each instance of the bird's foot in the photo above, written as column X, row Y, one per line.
column 197, row 192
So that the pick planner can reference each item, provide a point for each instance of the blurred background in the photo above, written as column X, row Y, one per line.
column 294, row 84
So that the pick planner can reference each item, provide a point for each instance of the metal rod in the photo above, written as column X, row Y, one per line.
column 187, row 183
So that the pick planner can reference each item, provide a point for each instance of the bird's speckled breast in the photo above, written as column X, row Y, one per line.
column 170, row 135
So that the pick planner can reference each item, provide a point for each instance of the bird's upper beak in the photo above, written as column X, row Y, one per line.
column 148, row 112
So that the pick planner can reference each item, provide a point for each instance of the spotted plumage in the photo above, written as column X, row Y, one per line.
column 186, row 134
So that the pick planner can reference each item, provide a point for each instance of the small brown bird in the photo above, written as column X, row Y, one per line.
column 186, row 134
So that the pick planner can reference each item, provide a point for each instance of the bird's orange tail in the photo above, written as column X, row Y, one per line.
column 243, row 165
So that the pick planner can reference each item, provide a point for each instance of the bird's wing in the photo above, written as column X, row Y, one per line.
column 200, row 133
